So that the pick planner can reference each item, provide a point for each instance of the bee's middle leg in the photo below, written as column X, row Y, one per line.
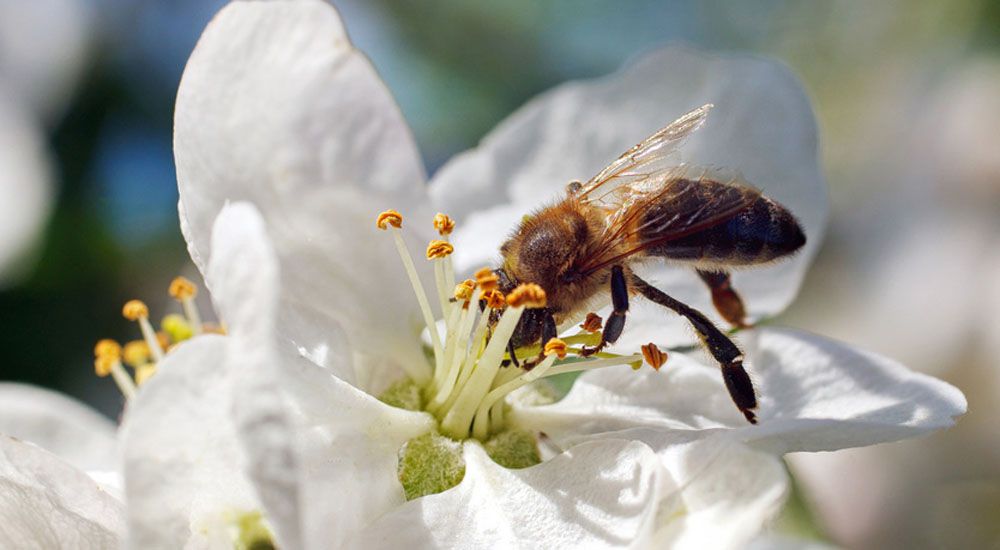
column 727, row 302
column 723, row 349
column 616, row 322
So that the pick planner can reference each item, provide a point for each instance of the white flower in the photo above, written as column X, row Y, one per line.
column 25, row 184
column 41, row 50
column 49, row 444
column 278, row 110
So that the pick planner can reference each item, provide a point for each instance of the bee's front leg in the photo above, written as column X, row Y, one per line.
column 616, row 322
column 727, row 302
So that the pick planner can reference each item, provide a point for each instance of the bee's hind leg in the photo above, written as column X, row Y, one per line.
column 727, row 302
column 616, row 322
column 719, row 345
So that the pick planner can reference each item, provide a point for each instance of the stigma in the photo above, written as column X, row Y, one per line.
column 472, row 373
column 144, row 354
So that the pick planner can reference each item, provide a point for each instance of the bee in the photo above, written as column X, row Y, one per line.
column 643, row 207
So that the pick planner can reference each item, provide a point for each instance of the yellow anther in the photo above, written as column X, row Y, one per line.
column 592, row 323
column 486, row 279
column 108, row 348
column 177, row 327
column 557, row 347
column 136, row 353
column 654, row 356
column 181, row 288
column 135, row 310
column 104, row 364
column 494, row 299
column 444, row 224
column 527, row 295
column 387, row 218
column 463, row 290
column 439, row 249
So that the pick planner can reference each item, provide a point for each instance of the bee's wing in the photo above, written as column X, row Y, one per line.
column 674, row 204
column 646, row 160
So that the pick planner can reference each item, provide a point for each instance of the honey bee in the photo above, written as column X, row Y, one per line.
column 644, row 207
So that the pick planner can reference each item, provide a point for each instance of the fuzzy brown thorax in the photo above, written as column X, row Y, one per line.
column 545, row 250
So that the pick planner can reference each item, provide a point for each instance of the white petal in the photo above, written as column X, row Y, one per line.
column 597, row 495
column 815, row 394
column 46, row 503
column 61, row 425
column 25, row 185
column 182, row 460
column 727, row 492
column 339, row 455
column 350, row 446
column 762, row 125
column 244, row 268
column 277, row 108
column 821, row 395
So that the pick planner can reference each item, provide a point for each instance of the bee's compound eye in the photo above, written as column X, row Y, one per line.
column 573, row 187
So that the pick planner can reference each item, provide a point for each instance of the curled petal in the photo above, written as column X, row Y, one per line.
column 183, row 463
column 278, row 109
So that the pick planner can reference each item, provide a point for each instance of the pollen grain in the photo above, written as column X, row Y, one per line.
column 654, row 356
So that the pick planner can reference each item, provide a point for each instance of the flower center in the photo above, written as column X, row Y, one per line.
column 143, row 355
column 473, row 372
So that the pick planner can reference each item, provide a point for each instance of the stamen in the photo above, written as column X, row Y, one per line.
column 439, row 249
column 144, row 373
column 486, row 279
column 444, row 224
column 557, row 347
column 457, row 421
column 137, row 356
column 463, row 290
column 136, row 310
column 451, row 343
column 391, row 218
column 592, row 323
column 461, row 363
column 184, row 291
column 177, row 328
column 494, row 299
column 527, row 295
column 554, row 349
column 136, row 353
column 212, row 328
column 107, row 360
column 654, row 356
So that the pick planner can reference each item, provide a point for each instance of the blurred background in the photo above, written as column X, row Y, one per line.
column 908, row 98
